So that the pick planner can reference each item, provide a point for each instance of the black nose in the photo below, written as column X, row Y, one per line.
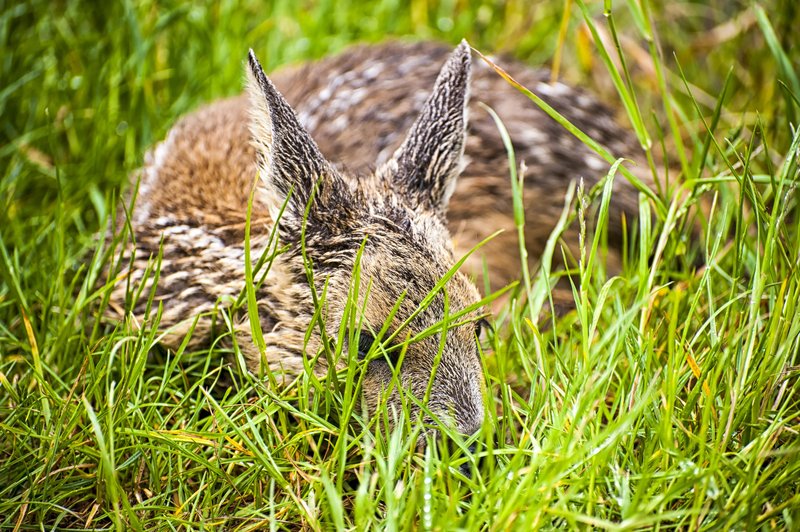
column 470, row 461
column 466, row 469
column 469, row 456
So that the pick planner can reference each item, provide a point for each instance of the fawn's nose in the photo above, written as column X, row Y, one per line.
column 467, row 467
column 471, row 460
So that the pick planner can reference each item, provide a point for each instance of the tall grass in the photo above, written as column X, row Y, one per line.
column 667, row 398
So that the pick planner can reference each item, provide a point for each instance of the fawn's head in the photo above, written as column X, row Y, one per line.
column 398, row 215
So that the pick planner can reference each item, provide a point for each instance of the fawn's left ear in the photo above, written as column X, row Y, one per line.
column 288, row 158
column 426, row 165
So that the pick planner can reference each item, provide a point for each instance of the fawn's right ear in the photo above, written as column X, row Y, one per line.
column 426, row 165
column 289, row 160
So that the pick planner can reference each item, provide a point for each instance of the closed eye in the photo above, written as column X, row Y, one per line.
column 365, row 341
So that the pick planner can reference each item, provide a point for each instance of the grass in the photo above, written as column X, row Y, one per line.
column 667, row 399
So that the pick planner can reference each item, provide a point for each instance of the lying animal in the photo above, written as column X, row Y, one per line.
column 398, row 149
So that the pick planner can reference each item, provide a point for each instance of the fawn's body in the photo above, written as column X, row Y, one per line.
column 359, row 107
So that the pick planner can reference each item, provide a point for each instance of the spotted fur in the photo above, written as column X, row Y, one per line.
column 383, row 170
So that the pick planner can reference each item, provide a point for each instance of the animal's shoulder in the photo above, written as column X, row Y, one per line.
column 204, row 169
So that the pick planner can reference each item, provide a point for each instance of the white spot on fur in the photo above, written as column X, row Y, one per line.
column 595, row 163
column 531, row 136
column 584, row 101
column 552, row 90
column 340, row 123
column 373, row 71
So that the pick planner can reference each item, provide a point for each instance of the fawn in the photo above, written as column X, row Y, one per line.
column 398, row 149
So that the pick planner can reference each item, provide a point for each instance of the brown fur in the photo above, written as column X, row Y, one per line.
column 359, row 106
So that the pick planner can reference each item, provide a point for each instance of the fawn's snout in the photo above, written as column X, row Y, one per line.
column 436, row 379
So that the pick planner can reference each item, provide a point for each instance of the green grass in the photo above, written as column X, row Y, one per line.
column 668, row 398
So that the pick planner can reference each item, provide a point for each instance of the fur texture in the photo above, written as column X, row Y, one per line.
column 383, row 170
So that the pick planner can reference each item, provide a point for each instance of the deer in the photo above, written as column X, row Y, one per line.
column 377, row 161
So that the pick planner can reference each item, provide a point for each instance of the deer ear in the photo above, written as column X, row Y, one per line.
column 288, row 158
column 426, row 165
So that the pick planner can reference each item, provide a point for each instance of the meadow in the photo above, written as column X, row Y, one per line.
column 668, row 398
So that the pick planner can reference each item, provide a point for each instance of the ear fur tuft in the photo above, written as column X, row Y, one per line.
column 288, row 158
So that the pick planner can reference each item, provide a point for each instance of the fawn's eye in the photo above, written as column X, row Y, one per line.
column 365, row 341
